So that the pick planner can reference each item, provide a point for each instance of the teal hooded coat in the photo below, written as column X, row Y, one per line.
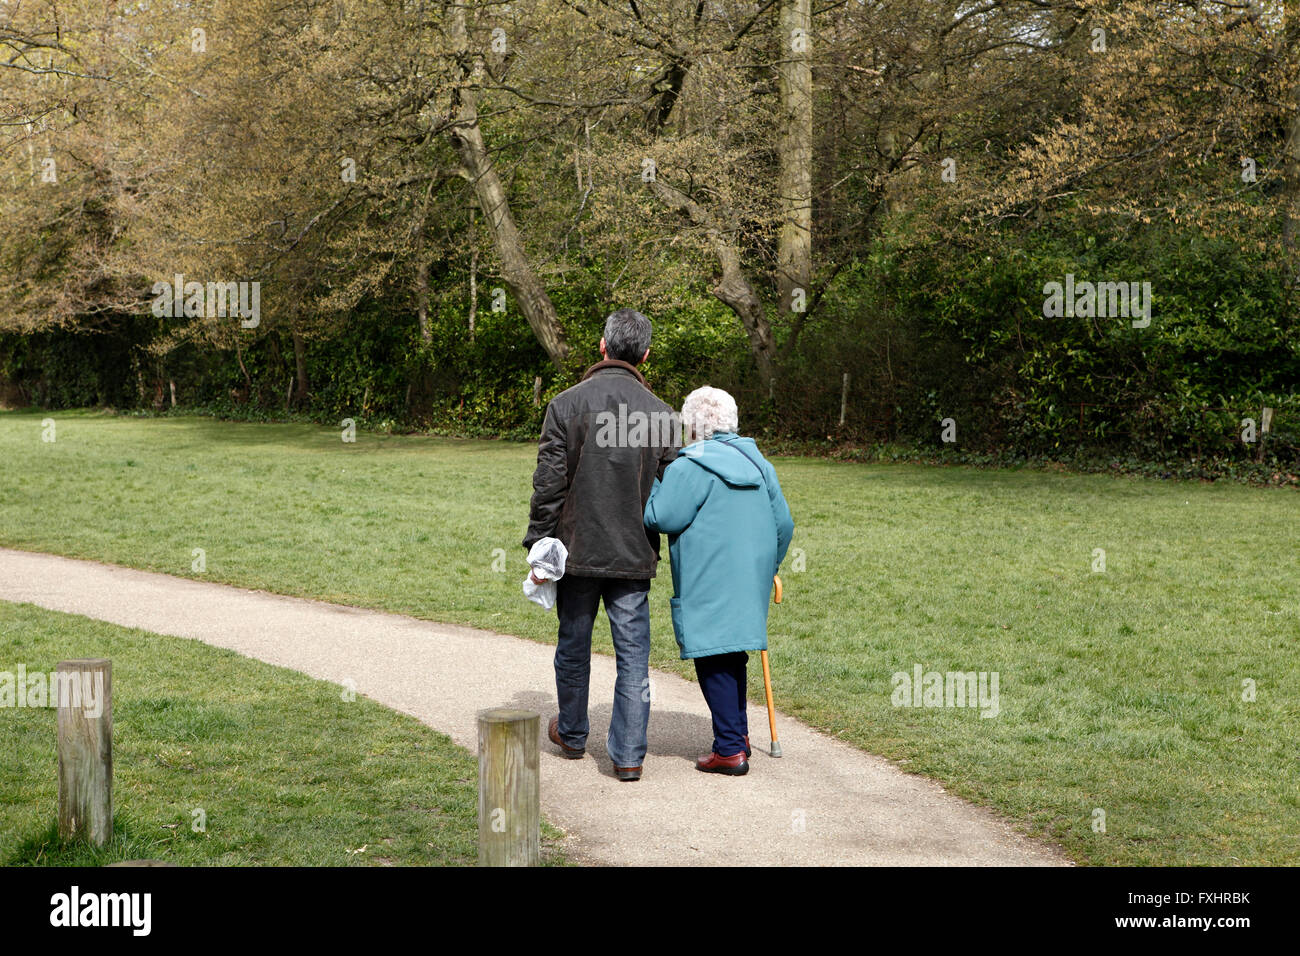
column 728, row 528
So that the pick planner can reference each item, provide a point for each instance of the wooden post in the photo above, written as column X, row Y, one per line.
column 844, row 398
column 509, row 793
column 85, row 722
column 537, row 391
column 1265, row 426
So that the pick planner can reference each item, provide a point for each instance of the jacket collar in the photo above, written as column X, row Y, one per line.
column 614, row 363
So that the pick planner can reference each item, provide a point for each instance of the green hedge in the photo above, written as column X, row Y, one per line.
column 926, row 331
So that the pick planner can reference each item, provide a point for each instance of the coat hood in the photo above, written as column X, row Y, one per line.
column 722, row 456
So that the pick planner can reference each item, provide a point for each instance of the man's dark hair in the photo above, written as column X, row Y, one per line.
column 627, row 336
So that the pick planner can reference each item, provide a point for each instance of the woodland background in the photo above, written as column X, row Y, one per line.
column 443, row 201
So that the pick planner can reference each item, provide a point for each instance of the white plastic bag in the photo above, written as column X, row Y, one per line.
column 546, row 558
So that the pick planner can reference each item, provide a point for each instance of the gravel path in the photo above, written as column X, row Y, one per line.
column 823, row 803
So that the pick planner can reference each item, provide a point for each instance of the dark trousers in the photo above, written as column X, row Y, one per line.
column 722, row 678
column 577, row 600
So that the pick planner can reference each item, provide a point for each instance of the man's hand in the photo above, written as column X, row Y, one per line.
column 536, row 580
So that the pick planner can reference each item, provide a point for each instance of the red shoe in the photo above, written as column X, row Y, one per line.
column 748, row 753
column 736, row 766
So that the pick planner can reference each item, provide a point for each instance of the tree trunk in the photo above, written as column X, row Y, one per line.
column 422, row 273
column 733, row 289
column 422, row 300
column 473, row 292
column 516, row 270
column 795, row 151
column 239, row 356
column 300, row 362
column 1291, row 154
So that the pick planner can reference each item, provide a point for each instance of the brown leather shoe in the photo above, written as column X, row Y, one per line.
column 748, row 753
column 553, row 732
column 736, row 766
column 628, row 774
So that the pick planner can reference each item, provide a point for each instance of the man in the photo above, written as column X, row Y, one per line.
column 603, row 444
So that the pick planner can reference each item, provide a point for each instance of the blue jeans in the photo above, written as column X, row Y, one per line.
column 722, row 679
column 627, row 606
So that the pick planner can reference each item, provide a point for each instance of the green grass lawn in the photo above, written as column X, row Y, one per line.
column 1119, row 691
column 283, row 770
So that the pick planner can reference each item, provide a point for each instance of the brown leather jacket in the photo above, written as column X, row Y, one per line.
column 603, row 444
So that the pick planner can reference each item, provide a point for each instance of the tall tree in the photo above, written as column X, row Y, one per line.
column 795, row 152
column 480, row 170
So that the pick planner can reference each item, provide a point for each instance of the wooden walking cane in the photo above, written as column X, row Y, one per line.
column 767, row 679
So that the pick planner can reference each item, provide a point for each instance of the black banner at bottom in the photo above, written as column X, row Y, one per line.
column 216, row 905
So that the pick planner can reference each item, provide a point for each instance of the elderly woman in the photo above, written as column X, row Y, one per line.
column 728, row 529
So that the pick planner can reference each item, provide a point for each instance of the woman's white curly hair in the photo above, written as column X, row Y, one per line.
column 708, row 410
